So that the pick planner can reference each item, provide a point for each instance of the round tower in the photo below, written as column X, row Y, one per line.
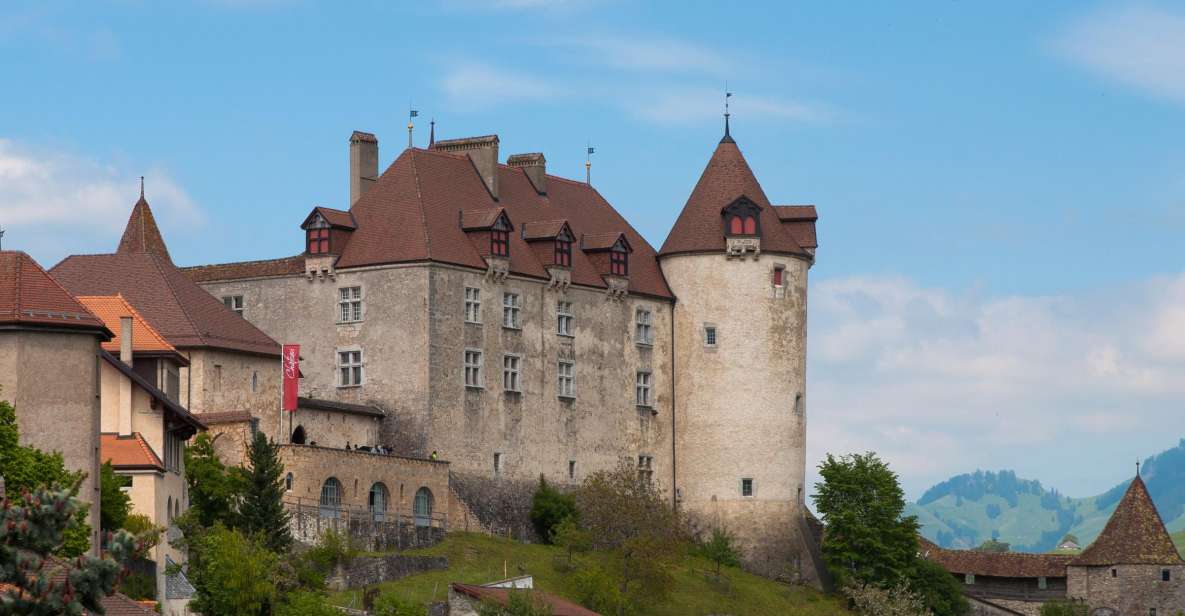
column 738, row 268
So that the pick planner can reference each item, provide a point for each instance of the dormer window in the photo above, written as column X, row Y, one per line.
column 326, row 231
column 563, row 252
column 500, row 243
column 317, row 238
column 742, row 217
column 619, row 262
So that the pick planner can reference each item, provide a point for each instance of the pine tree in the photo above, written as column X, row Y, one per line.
column 262, row 511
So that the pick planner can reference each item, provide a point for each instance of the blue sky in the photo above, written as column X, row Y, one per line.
column 1001, row 185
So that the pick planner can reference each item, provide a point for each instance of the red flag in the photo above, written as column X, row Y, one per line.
column 291, row 359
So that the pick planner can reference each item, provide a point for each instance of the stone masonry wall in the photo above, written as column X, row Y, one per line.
column 1132, row 591
column 363, row 571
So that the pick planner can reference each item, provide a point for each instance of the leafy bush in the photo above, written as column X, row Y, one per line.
column 871, row 600
column 232, row 573
column 391, row 604
column 549, row 508
column 1062, row 607
column 139, row 586
column 114, row 503
column 520, row 603
column 573, row 539
column 720, row 549
column 304, row 603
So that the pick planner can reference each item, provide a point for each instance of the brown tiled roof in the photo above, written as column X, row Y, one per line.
column 796, row 212
column 727, row 177
column 479, row 219
column 1135, row 534
column 222, row 417
column 995, row 564
column 128, row 452
column 542, row 229
column 30, row 296
column 284, row 266
column 335, row 218
column 142, row 234
column 185, row 314
column 501, row 596
column 145, row 339
column 599, row 241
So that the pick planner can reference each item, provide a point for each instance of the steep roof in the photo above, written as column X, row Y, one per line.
column 184, row 313
column 130, row 452
column 727, row 177
column 995, row 564
column 29, row 296
column 414, row 213
column 145, row 339
column 266, row 268
column 1135, row 534
column 141, row 233
column 176, row 411
column 501, row 596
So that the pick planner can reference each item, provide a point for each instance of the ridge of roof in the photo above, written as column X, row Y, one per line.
column 1134, row 534
column 29, row 295
column 996, row 564
column 259, row 268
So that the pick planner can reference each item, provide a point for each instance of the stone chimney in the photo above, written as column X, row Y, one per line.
column 535, row 166
column 483, row 151
column 364, row 163
column 125, row 384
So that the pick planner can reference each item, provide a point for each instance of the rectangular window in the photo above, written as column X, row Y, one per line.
column 643, row 327
column 709, row 336
column 563, row 318
column 472, row 305
column 500, row 243
column 318, row 241
column 510, row 372
column 619, row 263
column 563, row 253
column 969, row 578
column 217, row 385
column 497, row 465
column 798, row 404
column 511, row 311
column 234, row 302
column 349, row 368
column 473, row 368
column 746, row 487
column 645, row 467
column 1042, row 583
column 779, row 275
column 642, row 389
column 1165, row 576
column 349, row 304
column 566, row 387
column 571, row 469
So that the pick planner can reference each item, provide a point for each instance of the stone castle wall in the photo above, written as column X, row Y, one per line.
column 1131, row 591
column 219, row 381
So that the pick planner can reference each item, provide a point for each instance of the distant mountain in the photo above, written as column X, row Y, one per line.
column 966, row 510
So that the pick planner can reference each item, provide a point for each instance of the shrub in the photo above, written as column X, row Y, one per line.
column 549, row 508
column 520, row 603
column 720, row 549
column 870, row 600
column 569, row 536
column 304, row 603
column 391, row 604
column 1062, row 607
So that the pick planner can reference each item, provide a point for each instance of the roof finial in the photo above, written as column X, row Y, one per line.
column 432, row 133
column 411, row 113
column 588, row 163
column 727, row 95
column 141, row 187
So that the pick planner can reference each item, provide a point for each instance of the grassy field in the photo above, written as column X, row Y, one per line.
column 1179, row 539
column 478, row 559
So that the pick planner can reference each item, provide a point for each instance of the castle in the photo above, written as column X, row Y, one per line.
column 513, row 323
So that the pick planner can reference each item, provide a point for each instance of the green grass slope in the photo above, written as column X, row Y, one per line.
column 1179, row 539
column 478, row 559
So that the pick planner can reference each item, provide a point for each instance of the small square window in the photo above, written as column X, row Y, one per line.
column 349, row 368
column 1165, row 575
column 234, row 302
column 969, row 579
column 1042, row 583
column 779, row 276
column 709, row 336
column 571, row 469
column 746, row 487
column 1114, row 573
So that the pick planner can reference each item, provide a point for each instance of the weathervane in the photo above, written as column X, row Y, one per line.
column 727, row 95
column 588, row 163
column 411, row 114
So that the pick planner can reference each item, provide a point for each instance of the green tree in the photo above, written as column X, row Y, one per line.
column 213, row 488
column 991, row 545
column 262, row 511
column 142, row 528
column 571, row 538
column 305, row 603
column 232, row 573
column 549, row 507
column 33, row 527
column 114, row 503
column 1062, row 607
column 29, row 468
column 519, row 603
column 872, row 600
column 720, row 548
column 391, row 604
column 939, row 590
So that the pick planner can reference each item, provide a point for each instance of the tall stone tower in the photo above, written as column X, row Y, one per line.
column 738, row 267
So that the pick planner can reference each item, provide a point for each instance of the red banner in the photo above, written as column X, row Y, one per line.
column 291, row 359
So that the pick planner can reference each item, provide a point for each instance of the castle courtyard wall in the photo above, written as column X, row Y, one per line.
column 1131, row 591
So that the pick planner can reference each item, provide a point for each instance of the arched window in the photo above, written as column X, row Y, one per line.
column 735, row 226
column 750, row 225
column 422, row 507
column 169, row 509
column 741, row 217
column 378, row 501
column 288, row 482
column 298, row 435
column 331, row 498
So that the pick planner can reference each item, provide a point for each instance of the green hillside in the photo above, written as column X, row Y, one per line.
column 477, row 559
column 967, row 510
column 1179, row 539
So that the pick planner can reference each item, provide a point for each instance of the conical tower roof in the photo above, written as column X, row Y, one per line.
column 727, row 177
column 142, row 234
column 1135, row 535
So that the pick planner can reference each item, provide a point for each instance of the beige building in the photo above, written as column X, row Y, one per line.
column 47, row 336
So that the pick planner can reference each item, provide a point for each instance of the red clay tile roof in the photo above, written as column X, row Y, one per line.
column 128, row 452
column 142, row 234
column 145, row 338
column 995, row 564
column 542, row 229
column 30, row 296
column 600, row 241
column 411, row 214
column 700, row 226
column 472, row 220
column 335, row 218
column 1135, row 534
column 501, row 596
column 284, row 266
column 185, row 314
column 796, row 212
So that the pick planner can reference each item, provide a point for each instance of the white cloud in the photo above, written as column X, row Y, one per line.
column 1143, row 47
column 56, row 203
column 475, row 85
column 647, row 53
column 941, row 383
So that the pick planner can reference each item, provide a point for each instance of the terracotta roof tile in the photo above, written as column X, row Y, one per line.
column 1134, row 535
column 472, row 220
column 128, row 452
column 600, row 241
column 995, row 564
column 145, row 338
column 30, row 296
column 336, row 218
column 284, row 266
column 141, row 233
column 501, row 596
column 542, row 229
column 727, row 177
column 796, row 212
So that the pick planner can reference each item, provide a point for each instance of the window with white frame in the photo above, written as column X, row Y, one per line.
column 234, row 302
column 564, row 318
column 747, row 487
column 566, row 385
column 710, row 335
column 472, row 305
column 511, row 372
column 642, row 389
column 512, row 304
column 349, row 368
column 349, row 304
column 643, row 326
column 645, row 467
column 473, row 368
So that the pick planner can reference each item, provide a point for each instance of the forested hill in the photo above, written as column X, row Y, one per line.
column 966, row 510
